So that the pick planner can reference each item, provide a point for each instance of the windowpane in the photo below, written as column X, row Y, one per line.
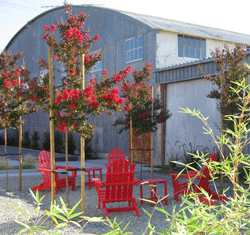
column 197, row 53
column 136, row 54
column 180, row 51
column 140, row 53
column 203, row 43
column 131, row 44
column 127, row 45
column 187, row 52
column 203, row 54
column 191, row 42
column 197, row 42
column 134, row 49
column 135, row 42
column 131, row 56
column 180, row 40
column 191, row 47
column 192, row 52
column 140, row 41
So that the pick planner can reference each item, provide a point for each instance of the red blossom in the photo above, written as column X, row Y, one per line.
column 72, row 105
column 6, row 84
column 127, row 107
column 72, row 71
column 92, row 80
column 43, row 61
column 66, row 94
column 62, row 126
column 105, row 72
column 45, row 37
column 96, row 37
column 54, row 57
column 17, row 71
column 46, row 28
column 74, row 93
column 117, row 78
column 74, row 123
column 88, row 91
column 53, row 28
column 86, row 58
column 5, row 76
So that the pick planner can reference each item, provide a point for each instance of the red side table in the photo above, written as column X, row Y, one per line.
column 93, row 169
column 152, row 184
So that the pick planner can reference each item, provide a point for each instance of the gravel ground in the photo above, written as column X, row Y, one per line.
column 137, row 224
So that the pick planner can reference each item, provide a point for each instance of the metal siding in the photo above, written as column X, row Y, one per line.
column 113, row 28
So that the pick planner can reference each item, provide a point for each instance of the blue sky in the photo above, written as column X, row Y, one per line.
column 222, row 14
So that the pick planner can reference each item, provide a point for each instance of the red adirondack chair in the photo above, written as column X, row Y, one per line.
column 45, row 168
column 118, row 187
column 204, row 180
column 115, row 154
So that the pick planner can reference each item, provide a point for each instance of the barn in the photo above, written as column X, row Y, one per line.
column 176, row 49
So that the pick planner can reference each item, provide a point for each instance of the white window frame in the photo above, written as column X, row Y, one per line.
column 191, row 47
column 134, row 49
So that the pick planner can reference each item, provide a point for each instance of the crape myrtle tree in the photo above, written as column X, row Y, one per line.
column 14, row 98
column 73, row 101
column 139, row 113
column 231, row 72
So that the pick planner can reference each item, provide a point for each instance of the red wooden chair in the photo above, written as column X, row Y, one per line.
column 118, row 187
column 204, row 176
column 45, row 168
column 115, row 154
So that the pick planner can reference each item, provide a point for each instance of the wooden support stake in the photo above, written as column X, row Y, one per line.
column 6, row 160
column 131, row 134
column 67, row 159
column 82, row 140
column 52, row 130
column 20, row 153
column 20, row 147
column 152, row 134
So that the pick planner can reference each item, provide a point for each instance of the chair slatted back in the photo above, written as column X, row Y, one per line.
column 45, row 163
column 115, row 154
column 206, row 173
column 119, row 181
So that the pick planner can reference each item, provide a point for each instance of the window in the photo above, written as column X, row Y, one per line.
column 191, row 47
column 97, row 66
column 134, row 49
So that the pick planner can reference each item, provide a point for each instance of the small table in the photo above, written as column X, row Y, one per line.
column 93, row 169
column 152, row 184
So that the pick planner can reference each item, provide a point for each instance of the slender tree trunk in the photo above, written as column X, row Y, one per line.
column 6, row 160
column 152, row 136
column 52, row 130
column 66, row 158
column 82, row 140
column 20, row 154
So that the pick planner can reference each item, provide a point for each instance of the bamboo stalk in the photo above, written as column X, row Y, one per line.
column 52, row 131
column 66, row 158
column 221, row 133
column 152, row 134
column 6, row 160
column 82, row 140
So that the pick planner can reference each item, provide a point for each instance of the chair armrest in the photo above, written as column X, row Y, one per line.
column 194, row 174
column 44, row 170
column 98, row 183
column 74, row 173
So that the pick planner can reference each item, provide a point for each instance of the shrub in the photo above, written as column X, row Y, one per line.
column 34, row 140
column 59, row 146
column 26, row 139
column 71, row 144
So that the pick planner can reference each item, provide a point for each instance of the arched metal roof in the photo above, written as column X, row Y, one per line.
column 161, row 24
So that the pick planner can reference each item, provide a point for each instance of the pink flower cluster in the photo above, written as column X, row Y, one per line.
column 113, row 97
column 76, row 33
